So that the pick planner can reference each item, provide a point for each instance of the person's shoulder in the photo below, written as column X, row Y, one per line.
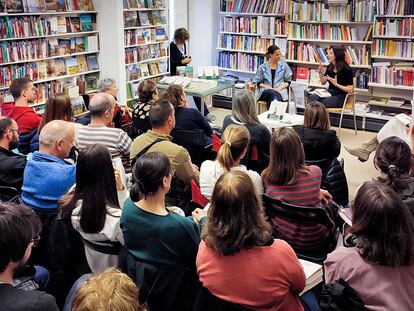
column 30, row 300
column 313, row 169
column 207, row 165
column 342, row 255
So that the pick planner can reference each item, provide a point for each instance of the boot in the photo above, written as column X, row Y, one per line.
column 364, row 150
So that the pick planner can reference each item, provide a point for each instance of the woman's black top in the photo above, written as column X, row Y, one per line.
column 176, row 57
column 344, row 77
column 191, row 119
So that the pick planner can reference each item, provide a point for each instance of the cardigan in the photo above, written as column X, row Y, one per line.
column 191, row 119
column 264, row 75
column 176, row 57
column 46, row 178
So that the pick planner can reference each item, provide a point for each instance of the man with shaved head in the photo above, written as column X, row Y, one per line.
column 101, row 130
column 47, row 175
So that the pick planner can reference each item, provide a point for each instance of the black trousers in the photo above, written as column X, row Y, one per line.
column 269, row 96
column 334, row 101
column 197, row 101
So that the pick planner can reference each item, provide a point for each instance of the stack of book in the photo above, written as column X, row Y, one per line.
column 42, row 6
column 240, row 61
column 144, row 18
column 397, row 74
column 324, row 32
column 140, row 71
column 143, row 4
column 134, row 55
column 394, row 27
column 395, row 7
column 247, row 43
column 306, row 52
column 253, row 6
column 145, row 36
column 395, row 48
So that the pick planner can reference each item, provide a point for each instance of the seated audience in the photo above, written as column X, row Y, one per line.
column 235, row 141
column 100, row 130
column 58, row 107
column 378, row 261
column 244, row 112
column 19, row 227
column 94, row 206
column 110, row 290
column 171, row 240
column 24, row 93
column 289, row 179
column 238, row 261
column 122, row 113
column 393, row 158
column 147, row 93
column 47, row 175
column 11, row 164
column 158, row 139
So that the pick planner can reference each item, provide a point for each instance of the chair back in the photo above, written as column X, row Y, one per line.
column 9, row 194
column 216, row 142
column 186, row 138
column 196, row 196
column 206, row 301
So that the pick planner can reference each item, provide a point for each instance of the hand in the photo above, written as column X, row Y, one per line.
column 265, row 86
column 118, row 181
column 332, row 80
column 321, row 68
column 186, row 60
column 197, row 214
column 325, row 196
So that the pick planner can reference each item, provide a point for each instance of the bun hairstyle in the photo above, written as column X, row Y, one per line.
column 173, row 94
column 393, row 158
column 271, row 49
column 148, row 174
column 234, row 141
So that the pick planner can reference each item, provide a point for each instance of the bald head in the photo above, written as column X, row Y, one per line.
column 101, row 103
column 56, row 138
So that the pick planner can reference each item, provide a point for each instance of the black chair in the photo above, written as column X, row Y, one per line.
column 297, row 224
column 9, row 194
column 206, row 301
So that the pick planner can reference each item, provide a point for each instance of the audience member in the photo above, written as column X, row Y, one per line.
column 47, row 175
column 171, row 240
column 58, row 107
column 244, row 112
column 100, row 130
column 147, row 93
column 378, row 261
column 110, row 290
column 24, row 93
column 235, row 141
column 238, row 261
column 94, row 206
column 19, row 227
column 393, row 158
column 11, row 164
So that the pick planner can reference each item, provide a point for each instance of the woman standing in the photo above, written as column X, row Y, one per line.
column 339, row 76
column 273, row 78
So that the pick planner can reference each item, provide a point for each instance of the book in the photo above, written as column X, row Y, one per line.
column 56, row 5
column 14, row 6
column 130, row 19
column 133, row 4
column 75, row 24
column 36, row 6
column 54, row 48
column 156, row 18
column 79, row 45
column 144, row 18
column 133, row 72
column 144, row 70
column 313, row 273
column 82, row 63
column 71, row 66
column 2, row 6
column 160, row 34
column 322, row 93
column 302, row 74
column 60, row 67
column 86, row 23
column 85, row 5
column 92, row 62
column 42, row 70
column 51, row 68
column 61, row 24
column 153, row 69
column 403, row 119
column 64, row 46
column 346, row 214
column 91, row 81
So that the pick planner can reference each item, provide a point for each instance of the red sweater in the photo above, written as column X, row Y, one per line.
column 26, row 118
column 263, row 278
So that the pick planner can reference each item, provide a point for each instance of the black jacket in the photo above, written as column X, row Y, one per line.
column 318, row 144
column 176, row 57
column 11, row 169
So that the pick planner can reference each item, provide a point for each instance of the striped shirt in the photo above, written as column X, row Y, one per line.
column 117, row 141
column 305, row 192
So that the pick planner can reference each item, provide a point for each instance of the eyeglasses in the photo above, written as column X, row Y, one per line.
column 35, row 240
column 17, row 130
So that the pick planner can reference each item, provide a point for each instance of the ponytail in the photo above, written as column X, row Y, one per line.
column 234, row 141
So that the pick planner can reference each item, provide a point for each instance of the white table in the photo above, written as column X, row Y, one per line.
column 287, row 121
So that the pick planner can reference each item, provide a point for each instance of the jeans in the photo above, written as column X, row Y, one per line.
column 72, row 292
column 269, row 96
column 41, row 277
column 309, row 301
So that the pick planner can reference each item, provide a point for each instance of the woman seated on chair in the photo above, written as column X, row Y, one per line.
column 234, row 144
column 147, row 93
column 289, row 179
column 339, row 76
column 238, row 261
column 378, row 259
column 273, row 77
column 393, row 158
column 244, row 112
column 94, row 206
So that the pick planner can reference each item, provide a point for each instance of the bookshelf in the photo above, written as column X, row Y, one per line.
column 54, row 44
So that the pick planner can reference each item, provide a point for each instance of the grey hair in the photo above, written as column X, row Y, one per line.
column 53, row 131
column 100, row 103
column 105, row 84
column 244, row 107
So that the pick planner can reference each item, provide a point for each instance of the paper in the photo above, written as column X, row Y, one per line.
column 278, row 108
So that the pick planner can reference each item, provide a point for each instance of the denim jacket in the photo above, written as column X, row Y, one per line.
column 264, row 75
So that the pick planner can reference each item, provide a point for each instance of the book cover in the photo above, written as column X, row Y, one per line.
column 302, row 74
column 92, row 62
column 133, row 72
column 130, row 19
column 36, row 6
column 153, row 69
column 51, row 68
column 79, row 45
column 82, row 63
column 156, row 18
column 61, row 23
column 14, row 6
column 133, row 4
column 53, row 47
column 159, row 4
column 41, row 67
column 64, row 46
column 149, row 4
column 86, row 23
column 75, row 24
column 2, row 6
column 144, row 70
column 141, row 3
column 85, row 5
column 160, row 34
column 143, row 18
column 71, row 66
column 55, row 5
column 91, row 81
column 60, row 67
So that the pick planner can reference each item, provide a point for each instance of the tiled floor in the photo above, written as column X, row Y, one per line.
column 356, row 171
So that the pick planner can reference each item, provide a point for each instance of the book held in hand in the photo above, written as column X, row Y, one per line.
column 313, row 272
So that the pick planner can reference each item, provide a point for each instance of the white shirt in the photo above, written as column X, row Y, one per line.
column 211, row 171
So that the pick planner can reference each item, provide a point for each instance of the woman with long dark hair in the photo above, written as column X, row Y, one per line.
column 378, row 260
column 339, row 76
column 94, row 206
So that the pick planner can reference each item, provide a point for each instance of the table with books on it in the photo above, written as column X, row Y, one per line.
column 276, row 117
column 196, row 86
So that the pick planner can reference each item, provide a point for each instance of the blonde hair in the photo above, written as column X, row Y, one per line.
column 244, row 107
column 110, row 290
column 234, row 141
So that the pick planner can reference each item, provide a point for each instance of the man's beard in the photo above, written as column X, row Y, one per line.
column 13, row 144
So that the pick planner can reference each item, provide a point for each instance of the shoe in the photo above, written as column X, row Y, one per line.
column 363, row 152
column 210, row 117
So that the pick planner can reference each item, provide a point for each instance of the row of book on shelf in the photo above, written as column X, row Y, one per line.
column 48, row 69
column 394, row 27
column 139, row 71
column 29, row 50
column 30, row 26
column 253, row 6
column 40, row 6
column 143, row 4
column 239, row 61
column 395, row 48
column 134, row 55
column 351, row 11
column 328, row 32
column 145, row 36
column 395, row 7
column 262, row 25
column 393, row 74
column 144, row 18
column 249, row 43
